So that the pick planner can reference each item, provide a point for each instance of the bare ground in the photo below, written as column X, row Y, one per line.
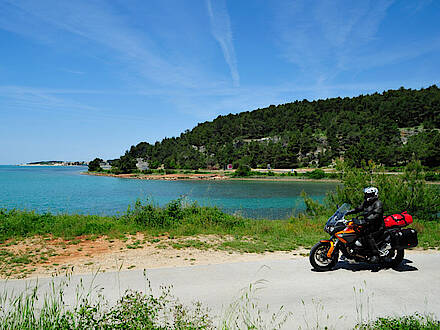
column 42, row 257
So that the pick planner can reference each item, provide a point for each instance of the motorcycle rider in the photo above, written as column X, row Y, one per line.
column 372, row 211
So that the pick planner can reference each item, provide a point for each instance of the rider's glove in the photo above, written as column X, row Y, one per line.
column 350, row 212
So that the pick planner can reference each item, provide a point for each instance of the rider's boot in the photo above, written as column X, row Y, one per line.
column 374, row 250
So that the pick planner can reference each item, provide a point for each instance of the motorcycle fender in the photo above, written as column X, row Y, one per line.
column 332, row 247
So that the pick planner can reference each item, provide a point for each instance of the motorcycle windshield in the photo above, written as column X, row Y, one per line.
column 338, row 215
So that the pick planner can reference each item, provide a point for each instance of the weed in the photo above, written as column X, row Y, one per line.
column 134, row 310
column 409, row 322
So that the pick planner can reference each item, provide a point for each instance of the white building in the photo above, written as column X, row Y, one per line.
column 141, row 164
column 105, row 165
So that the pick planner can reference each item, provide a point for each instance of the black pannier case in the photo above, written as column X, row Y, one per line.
column 404, row 238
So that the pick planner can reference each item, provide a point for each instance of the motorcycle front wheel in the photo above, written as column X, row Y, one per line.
column 318, row 257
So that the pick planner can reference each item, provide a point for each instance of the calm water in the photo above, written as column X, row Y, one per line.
column 64, row 189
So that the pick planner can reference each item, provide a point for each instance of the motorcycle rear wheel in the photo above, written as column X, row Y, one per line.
column 318, row 257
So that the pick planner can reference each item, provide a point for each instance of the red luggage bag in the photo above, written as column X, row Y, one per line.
column 398, row 220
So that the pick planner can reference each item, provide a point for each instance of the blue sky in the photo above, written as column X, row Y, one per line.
column 80, row 79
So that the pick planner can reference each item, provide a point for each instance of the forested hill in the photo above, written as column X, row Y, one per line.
column 387, row 128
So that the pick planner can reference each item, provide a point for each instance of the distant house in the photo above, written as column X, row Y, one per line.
column 142, row 164
column 105, row 165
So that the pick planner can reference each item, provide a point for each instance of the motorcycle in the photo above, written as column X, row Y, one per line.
column 346, row 237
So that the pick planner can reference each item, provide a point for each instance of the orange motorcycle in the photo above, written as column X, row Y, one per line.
column 346, row 238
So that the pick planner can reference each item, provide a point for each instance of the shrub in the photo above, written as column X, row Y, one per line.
column 242, row 171
column 94, row 165
column 316, row 174
column 411, row 322
column 432, row 176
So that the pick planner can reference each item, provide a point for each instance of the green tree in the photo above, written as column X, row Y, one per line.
column 94, row 165
column 426, row 147
column 126, row 164
column 242, row 171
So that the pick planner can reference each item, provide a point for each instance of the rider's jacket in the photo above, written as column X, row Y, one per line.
column 372, row 213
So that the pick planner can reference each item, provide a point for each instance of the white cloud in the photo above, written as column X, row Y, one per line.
column 320, row 36
column 97, row 23
column 222, row 32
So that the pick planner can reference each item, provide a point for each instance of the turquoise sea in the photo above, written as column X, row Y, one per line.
column 65, row 190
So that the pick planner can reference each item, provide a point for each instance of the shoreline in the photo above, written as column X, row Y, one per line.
column 211, row 176
column 218, row 177
column 46, row 165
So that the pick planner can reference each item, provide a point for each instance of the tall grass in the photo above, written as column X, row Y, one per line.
column 32, row 309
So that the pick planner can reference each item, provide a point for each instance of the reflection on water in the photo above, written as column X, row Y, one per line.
column 64, row 189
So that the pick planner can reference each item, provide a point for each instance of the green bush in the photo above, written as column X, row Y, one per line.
column 94, row 165
column 411, row 322
column 134, row 310
column 242, row 171
column 432, row 176
column 406, row 192
column 316, row 174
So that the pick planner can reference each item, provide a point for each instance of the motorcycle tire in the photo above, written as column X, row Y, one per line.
column 397, row 259
column 318, row 257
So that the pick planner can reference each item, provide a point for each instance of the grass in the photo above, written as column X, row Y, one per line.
column 34, row 309
column 21, row 263
column 175, row 220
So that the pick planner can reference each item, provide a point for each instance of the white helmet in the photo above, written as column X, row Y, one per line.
column 371, row 194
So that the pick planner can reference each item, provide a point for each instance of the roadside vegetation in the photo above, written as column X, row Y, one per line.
column 32, row 309
column 409, row 322
column 133, row 310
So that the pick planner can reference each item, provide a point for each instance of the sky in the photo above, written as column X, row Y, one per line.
column 89, row 78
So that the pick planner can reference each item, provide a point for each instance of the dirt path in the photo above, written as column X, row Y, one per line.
column 41, row 257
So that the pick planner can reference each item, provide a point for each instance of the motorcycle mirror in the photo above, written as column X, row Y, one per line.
column 337, row 206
